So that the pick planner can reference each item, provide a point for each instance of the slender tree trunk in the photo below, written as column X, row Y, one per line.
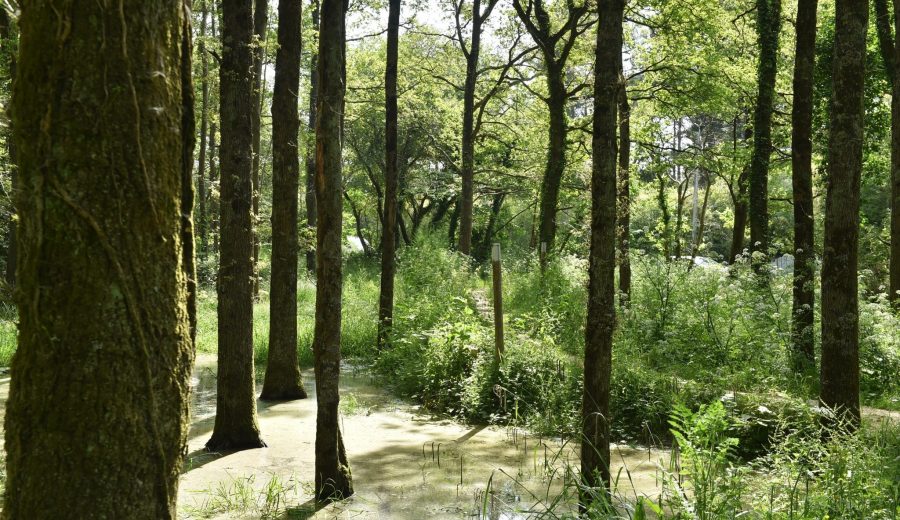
column 802, row 331
column 602, row 264
column 391, row 179
column 236, row 426
column 260, row 24
column 213, row 178
column 890, row 53
column 204, row 128
column 701, row 220
column 282, row 380
column 488, row 238
column 467, row 194
column 310, row 199
column 333, row 481
column 665, row 216
column 556, row 156
column 623, row 183
column 9, row 37
column 840, row 318
column 768, row 21
column 97, row 415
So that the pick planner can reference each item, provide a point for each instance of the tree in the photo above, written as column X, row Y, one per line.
column 768, row 27
column 333, row 480
column 601, row 311
column 99, row 390
column 391, row 179
column 555, row 47
column 890, row 53
column 202, row 223
column 282, row 380
column 310, row 149
column 840, row 319
column 467, row 171
column 236, row 427
column 8, row 39
column 260, row 29
column 623, row 196
column 801, row 161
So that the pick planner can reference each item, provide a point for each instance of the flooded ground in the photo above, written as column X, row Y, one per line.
column 405, row 463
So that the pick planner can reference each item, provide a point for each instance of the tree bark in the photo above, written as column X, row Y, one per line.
column 391, row 180
column 802, row 326
column 310, row 199
column 236, row 426
column 333, row 480
column 840, row 318
column 283, row 380
column 601, row 312
column 8, row 36
column 204, row 128
column 260, row 25
column 623, row 184
column 768, row 22
column 98, row 404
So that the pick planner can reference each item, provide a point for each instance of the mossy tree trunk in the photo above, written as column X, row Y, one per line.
column 802, row 326
column 236, row 426
column 333, row 480
column 310, row 200
column 282, row 370
column 391, row 180
column 97, row 416
column 840, row 313
column 601, row 311
column 768, row 27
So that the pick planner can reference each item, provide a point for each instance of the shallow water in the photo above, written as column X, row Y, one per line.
column 405, row 463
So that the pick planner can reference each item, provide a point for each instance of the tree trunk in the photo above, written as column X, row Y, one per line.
column 802, row 331
column 840, row 318
column 260, row 23
column 236, row 427
column 333, row 481
column 282, row 380
column 310, row 198
column 99, row 390
column 213, row 178
column 623, row 196
column 8, row 36
column 467, row 194
column 556, row 156
column 204, row 128
column 768, row 22
column 391, row 178
column 601, row 312
column 890, row 53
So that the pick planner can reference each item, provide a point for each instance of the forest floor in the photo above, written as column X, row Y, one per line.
column 405, row 463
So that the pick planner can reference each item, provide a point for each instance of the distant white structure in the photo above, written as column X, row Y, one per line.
column 355, row 245
column 783, row 263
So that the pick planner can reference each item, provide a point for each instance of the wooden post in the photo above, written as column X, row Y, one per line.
column 543, row 255
column 498, row 303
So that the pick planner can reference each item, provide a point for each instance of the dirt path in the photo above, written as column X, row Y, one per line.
column 405, row 464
